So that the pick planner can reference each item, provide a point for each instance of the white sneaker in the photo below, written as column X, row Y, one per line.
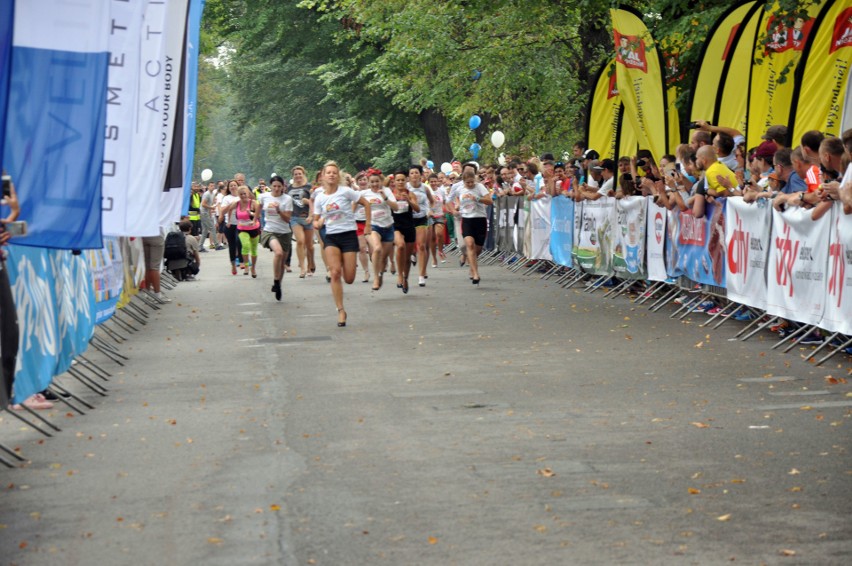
column 422, row 282
column 434, row 265
column 162, row 299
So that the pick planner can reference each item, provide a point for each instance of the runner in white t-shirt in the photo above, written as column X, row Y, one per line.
column 382, row 203
column 439, row 221
column 360, row 183
column 277, row 234
column 473, row 199
column 333, row 211
column 230, row 222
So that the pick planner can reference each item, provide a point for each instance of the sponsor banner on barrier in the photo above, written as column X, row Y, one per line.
column 672, row 251
column 798, row 258
column 540, row 231
column 655, row 240
column 838, row 305
column 747, row 236
column 562, row 230
column 628, row 253
column 35, row 302
column 593, row 248
column 75, row 298
column 701, row 245
column 107, row 269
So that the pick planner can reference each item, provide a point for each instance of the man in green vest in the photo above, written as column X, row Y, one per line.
column 195, row 208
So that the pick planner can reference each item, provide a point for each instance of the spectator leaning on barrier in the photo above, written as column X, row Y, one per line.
column 811, row 141
column 784, row 168
column 845, row 191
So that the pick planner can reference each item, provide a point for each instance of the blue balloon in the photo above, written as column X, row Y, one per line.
column 475, row 148
column 474, row 122
column 475, row 75
column 430, row 165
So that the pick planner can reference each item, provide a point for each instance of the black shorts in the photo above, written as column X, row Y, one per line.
column 344, row 241
column 409, row 233
column 476, row 228
column 423, row 221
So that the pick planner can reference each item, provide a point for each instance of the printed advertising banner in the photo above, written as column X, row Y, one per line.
column 628, row 254
column 593, row 247
column 798, row 258
column 838, row 305
column 562, row 230
column 747, row 237
column 107, row 271
column 540, row 220
column 655, row 241
column 701, row 245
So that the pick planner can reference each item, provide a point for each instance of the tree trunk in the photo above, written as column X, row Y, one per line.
column 437, row 135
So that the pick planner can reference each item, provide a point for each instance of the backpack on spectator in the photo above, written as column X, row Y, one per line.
column 175, row 246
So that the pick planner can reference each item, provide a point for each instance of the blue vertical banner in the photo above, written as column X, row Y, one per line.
column 562, row 230
column 7, row 19
column 193, row 38
column 54, row 138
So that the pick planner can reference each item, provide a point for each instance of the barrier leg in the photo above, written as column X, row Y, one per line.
column 799, row 333
column 620, row 288
column 93, row 367
column 826, row 342
column 85, row 380
column 20, row 417
column 763, row 326
column 58, row 391
column 669, row 295
column 117, row 338
column 72, row 396
column 649, row 292
column 843, row 346
column 12, row 453
column 731, row 305
column 103, row 348
column 580, row 276
column 123, row 323
column 801, row 337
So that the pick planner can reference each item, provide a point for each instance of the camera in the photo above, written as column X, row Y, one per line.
column 641, row 163
column 7, row 186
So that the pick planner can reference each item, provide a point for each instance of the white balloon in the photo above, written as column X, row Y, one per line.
column 446, row 168
column 501, row 160
column 498, row 139
column 206, row 175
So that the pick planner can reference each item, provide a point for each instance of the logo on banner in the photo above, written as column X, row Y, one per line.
column 731, row 37
column 842, row 36
column 630, row 51
column 837, row 257
column 612, row 91
column 659, row 227
column 788, row 250
column 738, row 248
column 692, row 230
column 782, row 37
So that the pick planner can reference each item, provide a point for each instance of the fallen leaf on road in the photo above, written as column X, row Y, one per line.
column 835, row 380
column 214, row 540
column 700, row 344
column 723, row 517
column 274, row 507
column 546, row 472
column 700, row 425
column 788, row 552
column 693, row 491
column 794, row 472
column 540, row 528
column 432, row 540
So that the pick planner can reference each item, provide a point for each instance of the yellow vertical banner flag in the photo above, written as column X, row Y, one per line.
column 628, row 141
column 640, row 80
column 726, row 53
column 821, row 89
column 782, row 37
column 732, row 106
column 602, row 123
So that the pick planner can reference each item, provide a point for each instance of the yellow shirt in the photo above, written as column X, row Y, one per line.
column 719, row 168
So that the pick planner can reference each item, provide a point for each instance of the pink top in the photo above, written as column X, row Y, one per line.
column 245, row 219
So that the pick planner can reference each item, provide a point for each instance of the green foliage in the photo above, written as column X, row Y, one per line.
column 346, row 79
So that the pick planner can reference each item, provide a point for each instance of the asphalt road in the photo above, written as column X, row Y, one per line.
column 516, row 423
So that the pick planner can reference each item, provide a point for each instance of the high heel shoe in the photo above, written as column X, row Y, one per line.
column 474, row 281
column 233, row 269
column 405, row 286
column 341, row 324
